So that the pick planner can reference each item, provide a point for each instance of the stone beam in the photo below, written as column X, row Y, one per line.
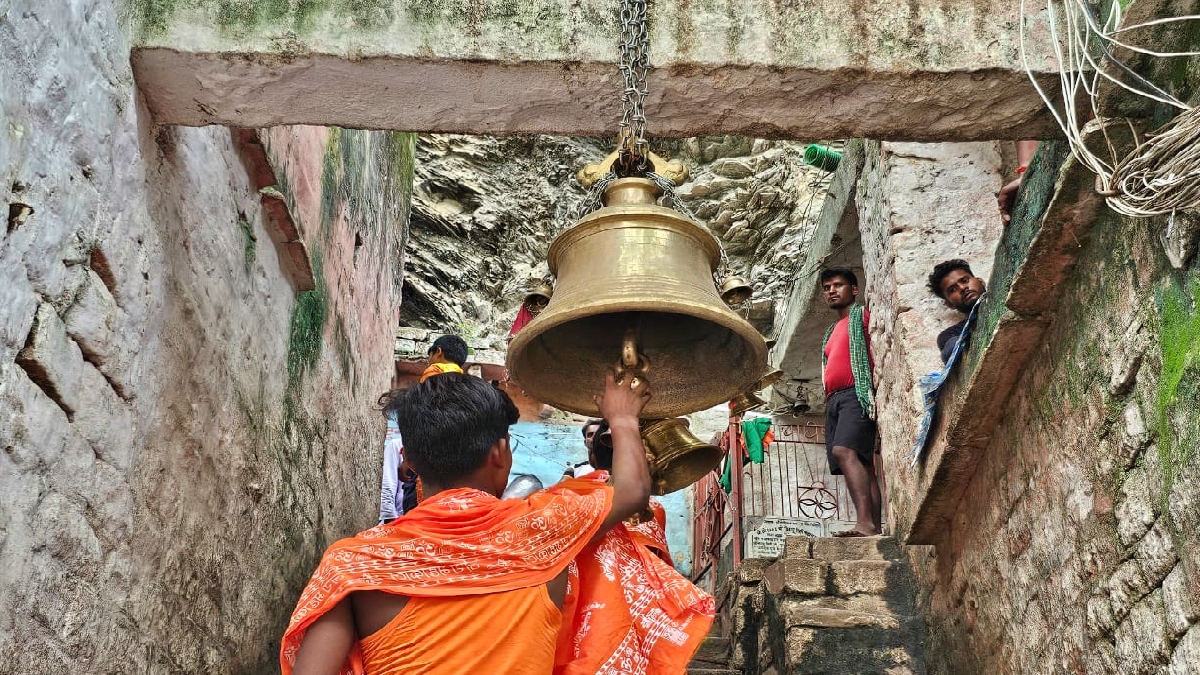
column 924, row 70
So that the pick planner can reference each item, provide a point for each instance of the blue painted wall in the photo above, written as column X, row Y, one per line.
column 544, row 451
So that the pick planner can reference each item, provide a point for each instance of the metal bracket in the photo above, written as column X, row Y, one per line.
column 674, row 170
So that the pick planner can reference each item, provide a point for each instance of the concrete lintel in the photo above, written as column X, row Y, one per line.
column 970, row 414
column 923, row 70
column 582, row 98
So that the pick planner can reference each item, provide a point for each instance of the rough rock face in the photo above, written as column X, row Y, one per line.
column 485, row 210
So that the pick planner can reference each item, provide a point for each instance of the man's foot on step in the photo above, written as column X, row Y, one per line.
column 853, row 533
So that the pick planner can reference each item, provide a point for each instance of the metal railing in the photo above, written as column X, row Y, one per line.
column 790, row 492
column 793, row 481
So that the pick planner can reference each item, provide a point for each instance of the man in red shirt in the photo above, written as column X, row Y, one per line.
column 850, row 400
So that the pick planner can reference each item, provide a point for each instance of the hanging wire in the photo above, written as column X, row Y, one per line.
column 1162, row 174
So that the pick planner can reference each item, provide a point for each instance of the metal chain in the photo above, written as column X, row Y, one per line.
column 675, row 202
column 595, row 196
column 593, row 201
column 635, row 64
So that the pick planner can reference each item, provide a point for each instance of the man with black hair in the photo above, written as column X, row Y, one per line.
column 589, row 430
column 957, row 286
column 447, row 354
column 398, row 482
column 465, row 582
column 847, row 372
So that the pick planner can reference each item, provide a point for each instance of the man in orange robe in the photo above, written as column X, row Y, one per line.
column 465, row 582
column 628, row 611
column 447, row 354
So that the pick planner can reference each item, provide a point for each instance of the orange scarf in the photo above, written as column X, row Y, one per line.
column 439, row 369
column 459, row 542
column 627, row 611
column 653, row 533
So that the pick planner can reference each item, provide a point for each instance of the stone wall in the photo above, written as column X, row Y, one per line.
column 918, row 204
column 1080, row 520
column 185, row 427
column 1071, row 548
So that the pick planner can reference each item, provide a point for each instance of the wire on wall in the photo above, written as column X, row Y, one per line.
column 1162, row 174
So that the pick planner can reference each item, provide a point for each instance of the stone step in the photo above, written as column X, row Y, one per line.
column 863, row 604
column 713, row 649
column 825, row 617
column 889, row 579
column 834, row 549
column 860, row 650
column 869, row 576
column 711, row 671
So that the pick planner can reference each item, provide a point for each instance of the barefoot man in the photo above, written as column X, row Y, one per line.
column 850, row 400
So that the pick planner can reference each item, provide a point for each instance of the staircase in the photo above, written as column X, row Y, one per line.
column 712, row 658
column 826, row 606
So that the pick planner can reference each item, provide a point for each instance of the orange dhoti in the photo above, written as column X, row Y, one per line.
column 628, row 611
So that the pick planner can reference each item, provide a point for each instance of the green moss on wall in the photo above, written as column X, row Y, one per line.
column 151, row 16
column 1032, row 201
column 242, row 17
column 367, row 177
column 1178, row 395
column 306, row 328
column 530, row 18
column 249, row 243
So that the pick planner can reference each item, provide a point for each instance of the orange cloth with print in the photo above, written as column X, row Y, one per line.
column 461, row 542
column 627, row 610
column 468, row 635
column 439, row 369
column 653, row 533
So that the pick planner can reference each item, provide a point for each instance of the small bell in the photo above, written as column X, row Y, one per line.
column 748, row 399
column 735, row 290
column 677, row 458
column 538, row 297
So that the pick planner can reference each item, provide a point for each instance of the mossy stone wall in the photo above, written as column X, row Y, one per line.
column 1074, row 547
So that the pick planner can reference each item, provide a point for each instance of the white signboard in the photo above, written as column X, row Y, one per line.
column 766, row 541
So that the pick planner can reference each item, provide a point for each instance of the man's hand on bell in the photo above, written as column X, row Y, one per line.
column 623, row 399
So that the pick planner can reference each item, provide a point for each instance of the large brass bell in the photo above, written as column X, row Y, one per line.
column 636, row 266
column 677, row 458
column 748, row 399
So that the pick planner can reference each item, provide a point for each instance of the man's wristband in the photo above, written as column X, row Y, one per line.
column 1022, row 169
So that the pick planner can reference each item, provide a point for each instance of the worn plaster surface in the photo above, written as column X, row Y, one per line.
column 1064, row 519
column 918, row 71
column 182, row 429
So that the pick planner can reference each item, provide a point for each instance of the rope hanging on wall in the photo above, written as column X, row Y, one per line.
column 1161, row 175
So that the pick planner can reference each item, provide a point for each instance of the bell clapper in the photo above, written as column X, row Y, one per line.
column 632, row 361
